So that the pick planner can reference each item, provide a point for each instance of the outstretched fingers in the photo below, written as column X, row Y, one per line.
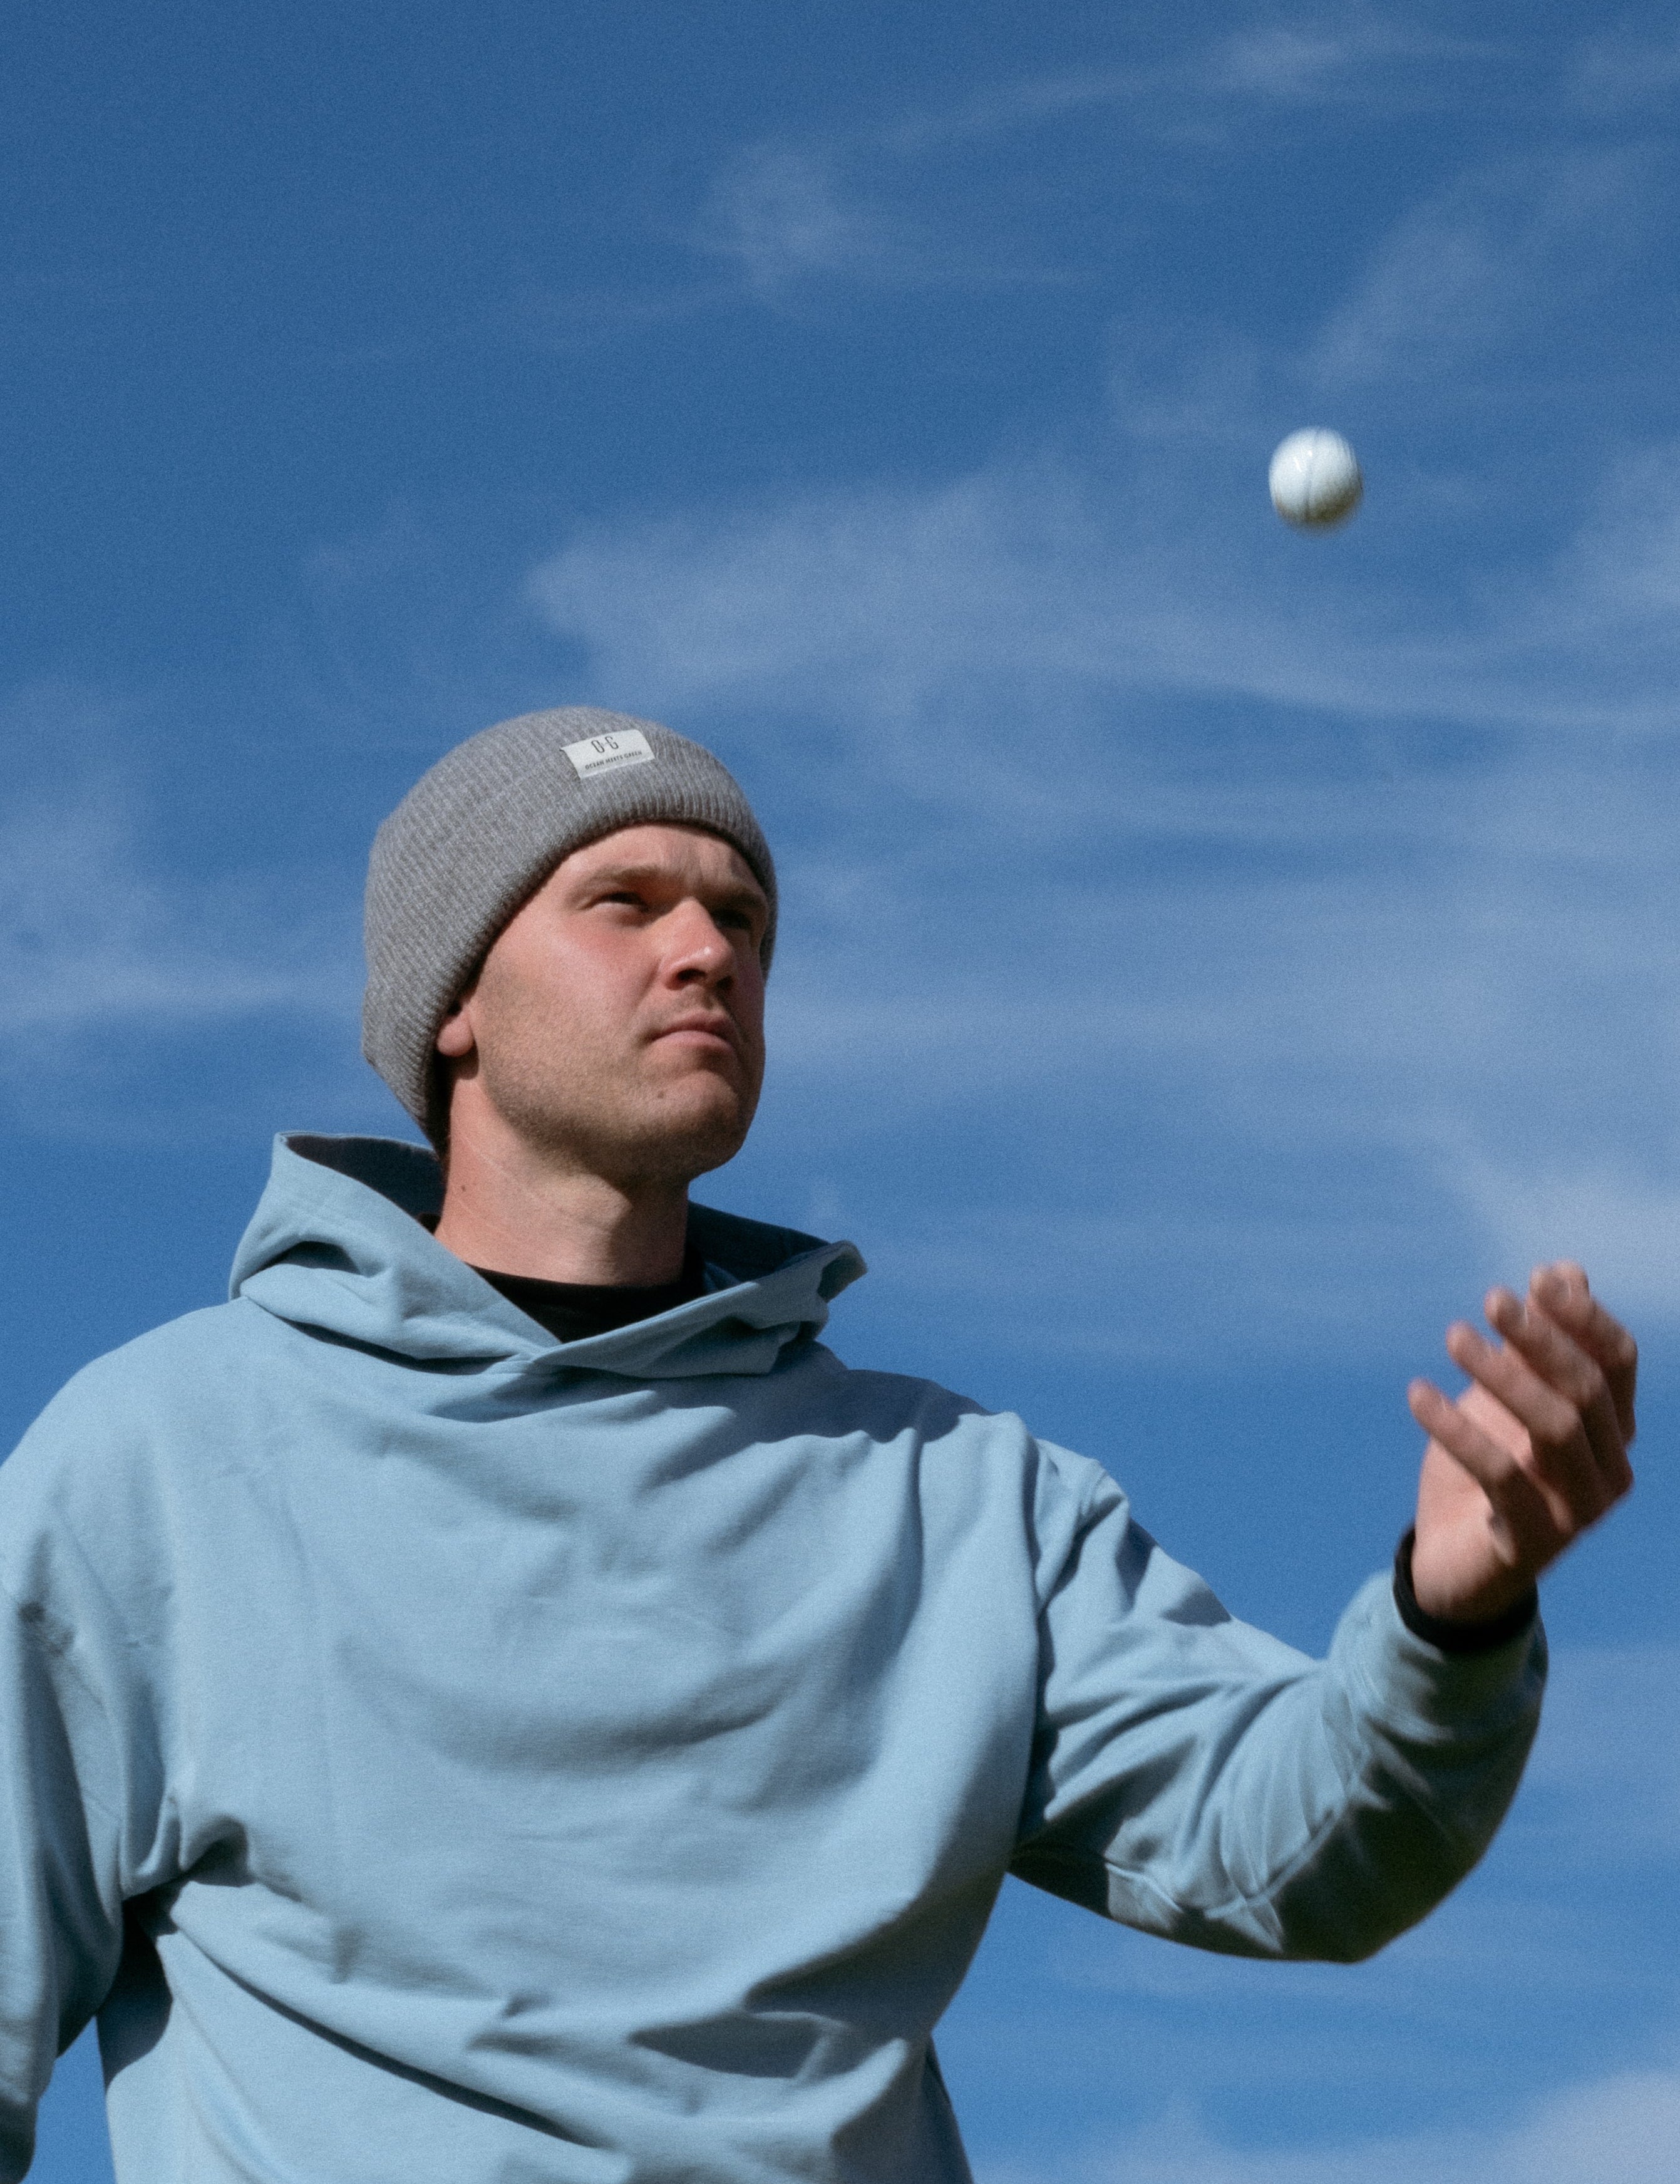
column 1521, row 1519
column 1560, row 1291
column 1560, row 1396
column 1544, row 1430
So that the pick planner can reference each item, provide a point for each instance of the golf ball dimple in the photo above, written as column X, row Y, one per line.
column 1314, row 479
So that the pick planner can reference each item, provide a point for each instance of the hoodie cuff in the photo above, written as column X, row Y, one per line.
column 1424, row 1694
column 1457, row 1637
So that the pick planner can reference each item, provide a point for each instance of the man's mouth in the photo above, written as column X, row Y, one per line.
column 713, row 1030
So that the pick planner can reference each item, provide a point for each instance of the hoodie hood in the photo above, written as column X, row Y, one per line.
column 338, row 1245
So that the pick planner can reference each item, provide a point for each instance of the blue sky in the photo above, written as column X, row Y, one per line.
column 1212, row 955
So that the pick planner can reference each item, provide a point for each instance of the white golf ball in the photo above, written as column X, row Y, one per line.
column 1314, row 479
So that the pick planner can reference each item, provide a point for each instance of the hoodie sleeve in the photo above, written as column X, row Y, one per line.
column 1199, row 1779
column 60, row 1902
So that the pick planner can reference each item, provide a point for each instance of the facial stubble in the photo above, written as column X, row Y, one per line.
column 609, row 1105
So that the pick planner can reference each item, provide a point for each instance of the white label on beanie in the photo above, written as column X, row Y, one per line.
column 601, row 754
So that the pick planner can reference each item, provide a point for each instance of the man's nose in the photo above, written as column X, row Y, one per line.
column 699, row 948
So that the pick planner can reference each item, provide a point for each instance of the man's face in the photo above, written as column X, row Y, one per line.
column 617, row 1023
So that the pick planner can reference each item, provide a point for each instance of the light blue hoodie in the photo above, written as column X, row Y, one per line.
column 443, row 1756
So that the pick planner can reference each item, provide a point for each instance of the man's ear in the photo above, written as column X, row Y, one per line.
column 455, row 1034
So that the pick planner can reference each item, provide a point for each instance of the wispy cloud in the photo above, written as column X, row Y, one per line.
column 873, row 201
column 87, row 938
column 1356, row 56
column 108, row 950
column 1615, row 590
column 885, row 590
column 1604, row 1784
column 1626, row 2127
column 864, row 602
column 792, row 217
column 1624, row 70
column 1493, row 259
column 780, row 213
column 1622, row 1220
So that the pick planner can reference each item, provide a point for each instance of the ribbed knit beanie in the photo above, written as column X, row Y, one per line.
column 479, row 835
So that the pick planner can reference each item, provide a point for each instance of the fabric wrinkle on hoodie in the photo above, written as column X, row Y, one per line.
column 443, row 1755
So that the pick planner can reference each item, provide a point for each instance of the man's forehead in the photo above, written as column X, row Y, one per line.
column 664, row 846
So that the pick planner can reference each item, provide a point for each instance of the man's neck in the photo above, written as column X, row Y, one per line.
column 509, row 1210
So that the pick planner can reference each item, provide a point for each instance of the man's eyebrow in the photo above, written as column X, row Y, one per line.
column 733, row 889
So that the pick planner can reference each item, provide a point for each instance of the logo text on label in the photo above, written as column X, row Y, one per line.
column 601, row 754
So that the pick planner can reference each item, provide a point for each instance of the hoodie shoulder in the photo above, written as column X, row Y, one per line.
column 97, row 1473
column 125, row 1393
column 967, row 1457
column 957, row 1429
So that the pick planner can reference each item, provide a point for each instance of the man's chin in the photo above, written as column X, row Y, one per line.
column 695, row 1130
column 662, row 1133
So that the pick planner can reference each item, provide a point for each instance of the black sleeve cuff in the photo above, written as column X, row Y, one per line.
column 1457, row 1637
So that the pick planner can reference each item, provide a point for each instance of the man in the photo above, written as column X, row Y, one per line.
column 497, row 1700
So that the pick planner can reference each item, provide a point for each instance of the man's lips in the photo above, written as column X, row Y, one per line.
column 713, row 1031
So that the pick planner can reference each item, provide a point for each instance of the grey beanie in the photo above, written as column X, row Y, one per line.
column 479, row 833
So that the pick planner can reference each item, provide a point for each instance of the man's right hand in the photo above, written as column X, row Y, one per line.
column 1531, row 1455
